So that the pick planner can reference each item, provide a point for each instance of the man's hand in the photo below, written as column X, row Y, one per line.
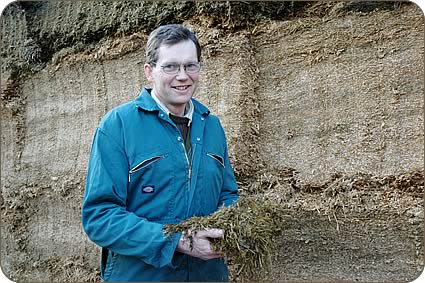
column 201, row 246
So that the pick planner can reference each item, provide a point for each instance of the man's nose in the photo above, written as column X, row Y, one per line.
column 182, row 75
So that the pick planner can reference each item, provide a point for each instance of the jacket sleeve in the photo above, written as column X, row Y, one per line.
column 229, row 191
column 104, row 216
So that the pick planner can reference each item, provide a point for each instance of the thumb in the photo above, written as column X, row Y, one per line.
column 211, row 233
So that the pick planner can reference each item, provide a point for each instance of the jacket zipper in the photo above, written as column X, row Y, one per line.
column 191, row 162
column 188, row 165
column 189, row 173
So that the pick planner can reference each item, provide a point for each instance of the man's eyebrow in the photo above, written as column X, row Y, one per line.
column 171, row 63
column 177, row 63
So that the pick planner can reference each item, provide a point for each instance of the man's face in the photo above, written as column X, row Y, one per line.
column 174, row 90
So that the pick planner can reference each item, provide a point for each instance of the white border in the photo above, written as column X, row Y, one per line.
column 4, row 3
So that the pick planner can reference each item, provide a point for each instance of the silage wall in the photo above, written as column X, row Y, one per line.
column 319, row 95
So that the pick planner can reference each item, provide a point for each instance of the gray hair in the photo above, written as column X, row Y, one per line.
column 168, row 35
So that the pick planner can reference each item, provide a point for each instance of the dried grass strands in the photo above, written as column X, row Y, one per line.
column 250, row 227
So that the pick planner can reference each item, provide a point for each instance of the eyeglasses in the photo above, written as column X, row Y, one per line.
column 173, row 69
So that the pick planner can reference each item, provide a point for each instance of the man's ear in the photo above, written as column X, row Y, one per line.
column 148, row 72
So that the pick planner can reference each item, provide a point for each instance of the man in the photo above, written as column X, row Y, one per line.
column 159, row 159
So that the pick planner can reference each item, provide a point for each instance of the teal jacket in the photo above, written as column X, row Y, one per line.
column 139, row 179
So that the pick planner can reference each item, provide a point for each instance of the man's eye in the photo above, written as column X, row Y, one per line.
column 170, row 67
column 191, row 66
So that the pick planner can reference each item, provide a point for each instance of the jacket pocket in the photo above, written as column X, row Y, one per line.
column 211, row 174
column 151, row 192
column 217, row 157
column 145, row 163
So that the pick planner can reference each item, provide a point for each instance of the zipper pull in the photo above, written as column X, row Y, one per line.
column 190, row 172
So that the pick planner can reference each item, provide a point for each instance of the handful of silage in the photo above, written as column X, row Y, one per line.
column 250, row 226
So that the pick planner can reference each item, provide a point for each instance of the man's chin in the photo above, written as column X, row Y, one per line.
column 181, row 101
column 182, row 97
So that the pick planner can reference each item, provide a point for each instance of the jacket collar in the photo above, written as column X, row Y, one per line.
column 146, row 102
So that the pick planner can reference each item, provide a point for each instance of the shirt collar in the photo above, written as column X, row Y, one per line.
column 188, row 110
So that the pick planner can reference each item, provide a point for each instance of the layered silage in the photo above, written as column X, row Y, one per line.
column 322, row 108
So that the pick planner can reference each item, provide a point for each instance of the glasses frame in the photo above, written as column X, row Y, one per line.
column 179, row 69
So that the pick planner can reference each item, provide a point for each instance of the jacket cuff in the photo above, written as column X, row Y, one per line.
column 174, row 238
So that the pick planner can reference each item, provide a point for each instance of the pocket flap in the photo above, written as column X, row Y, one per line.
column 217, row 157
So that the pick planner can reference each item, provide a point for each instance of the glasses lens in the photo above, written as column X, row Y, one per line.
column 171, row 69
column 192, row 67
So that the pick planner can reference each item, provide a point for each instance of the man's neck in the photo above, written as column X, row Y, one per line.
column 177, row 110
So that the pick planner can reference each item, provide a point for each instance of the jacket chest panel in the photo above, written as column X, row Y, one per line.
column 162, row 177
column 158, row 178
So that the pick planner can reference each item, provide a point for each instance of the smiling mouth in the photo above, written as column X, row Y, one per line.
column 181, row 87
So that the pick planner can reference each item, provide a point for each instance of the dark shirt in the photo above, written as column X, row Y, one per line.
column 182, row 124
